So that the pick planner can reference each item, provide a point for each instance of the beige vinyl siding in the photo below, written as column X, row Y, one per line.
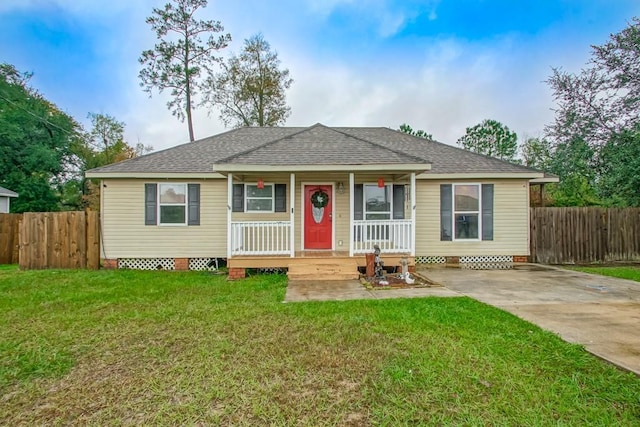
column 124, row 234
column 4, row 204
column 510, row 221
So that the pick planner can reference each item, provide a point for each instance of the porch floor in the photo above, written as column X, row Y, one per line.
column 311, row 257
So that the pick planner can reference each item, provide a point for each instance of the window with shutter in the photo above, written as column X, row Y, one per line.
column 172, row 204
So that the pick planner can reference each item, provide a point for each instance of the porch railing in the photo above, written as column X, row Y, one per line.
column 261, row 238
column 393, row 236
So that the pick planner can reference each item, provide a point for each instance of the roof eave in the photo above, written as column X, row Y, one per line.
column 155, row 175
column 545, row 180
column 411, row 167
column 482, row 175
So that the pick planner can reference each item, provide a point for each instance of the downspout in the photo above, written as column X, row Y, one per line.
column 229, row 205
column 413, row 214
column 292, row 217
column 351, row 199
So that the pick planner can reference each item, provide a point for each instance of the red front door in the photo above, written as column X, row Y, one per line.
column 318, row 219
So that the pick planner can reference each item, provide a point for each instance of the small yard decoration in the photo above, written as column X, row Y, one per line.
column 319, row 200
column 379, row 277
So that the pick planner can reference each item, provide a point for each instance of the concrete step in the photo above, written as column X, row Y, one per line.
column 325, row 277
column 324, row 271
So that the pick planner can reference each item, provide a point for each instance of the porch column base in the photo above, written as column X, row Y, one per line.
column 109, row 264
column 237, row 273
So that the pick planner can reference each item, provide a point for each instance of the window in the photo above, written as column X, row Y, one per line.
column 259, row 199
column 466, row 211
column 176, row 204
column 378, row 202
column 172, row 206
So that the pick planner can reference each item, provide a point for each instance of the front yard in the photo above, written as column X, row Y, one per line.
column 127, row 347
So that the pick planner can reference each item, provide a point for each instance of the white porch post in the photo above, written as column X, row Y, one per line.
column 229, row 205
column 292, row 218
column 413, row 214
column 351, row 198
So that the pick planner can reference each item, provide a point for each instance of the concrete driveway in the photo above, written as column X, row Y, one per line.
column 599, row 312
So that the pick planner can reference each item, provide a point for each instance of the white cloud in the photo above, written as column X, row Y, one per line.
column 441, row 85
column 452, row 86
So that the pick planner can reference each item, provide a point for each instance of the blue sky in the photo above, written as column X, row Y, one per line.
column 439, row 65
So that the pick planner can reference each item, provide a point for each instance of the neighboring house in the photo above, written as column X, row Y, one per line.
column 5, row 202
column 280, row 196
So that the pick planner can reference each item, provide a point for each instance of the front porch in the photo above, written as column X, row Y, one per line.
column 319, row 222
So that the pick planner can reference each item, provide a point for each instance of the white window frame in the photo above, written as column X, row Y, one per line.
column 185, row 204
column 364, row 202
column 455, row 212
column 272, row 198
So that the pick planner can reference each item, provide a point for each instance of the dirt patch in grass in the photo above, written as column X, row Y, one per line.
column 397, row 281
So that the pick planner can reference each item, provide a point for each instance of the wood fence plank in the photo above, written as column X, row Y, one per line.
column 9, row 238
column 93, row 240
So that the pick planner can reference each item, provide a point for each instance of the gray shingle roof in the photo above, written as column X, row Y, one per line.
column 7, row 193
column 321, row 145
column 318, row 144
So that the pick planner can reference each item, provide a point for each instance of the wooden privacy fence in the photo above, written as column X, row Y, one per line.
column 60, row 240
column 9, row 228
column 585, row 235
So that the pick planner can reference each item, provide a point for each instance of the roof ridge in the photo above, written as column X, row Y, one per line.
column 463, row 150
column 249, row 150
column 403, row 153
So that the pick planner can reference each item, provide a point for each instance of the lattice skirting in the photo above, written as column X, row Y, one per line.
column 430, row 260
column 147, row 263
column 203, row 264
column 197, row 264
column 485, row 258
column 478, row 262
column 487, row 262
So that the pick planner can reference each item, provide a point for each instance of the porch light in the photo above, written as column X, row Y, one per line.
column 340, row 188
column 381, row 182
column 260, row 183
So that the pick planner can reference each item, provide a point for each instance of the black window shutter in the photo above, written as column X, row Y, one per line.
column 358, row 195
column 281, row 198
column 398, row 202
column 238, row 198
column 487, row 211
column 446, row 212
column 150, row 204
column 194, row 204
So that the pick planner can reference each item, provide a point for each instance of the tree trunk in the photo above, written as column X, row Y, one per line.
column 189, row 121
column 188, row 86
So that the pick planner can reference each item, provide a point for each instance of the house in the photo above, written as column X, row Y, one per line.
column 5, row 196
column 282, row 197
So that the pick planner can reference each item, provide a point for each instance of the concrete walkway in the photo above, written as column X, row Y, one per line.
column 342, row 290
column 601, row 313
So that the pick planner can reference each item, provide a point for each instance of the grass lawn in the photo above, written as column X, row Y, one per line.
column 621, row 272
column 127, row 347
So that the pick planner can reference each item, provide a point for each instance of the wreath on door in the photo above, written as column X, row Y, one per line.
column 319, row 199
